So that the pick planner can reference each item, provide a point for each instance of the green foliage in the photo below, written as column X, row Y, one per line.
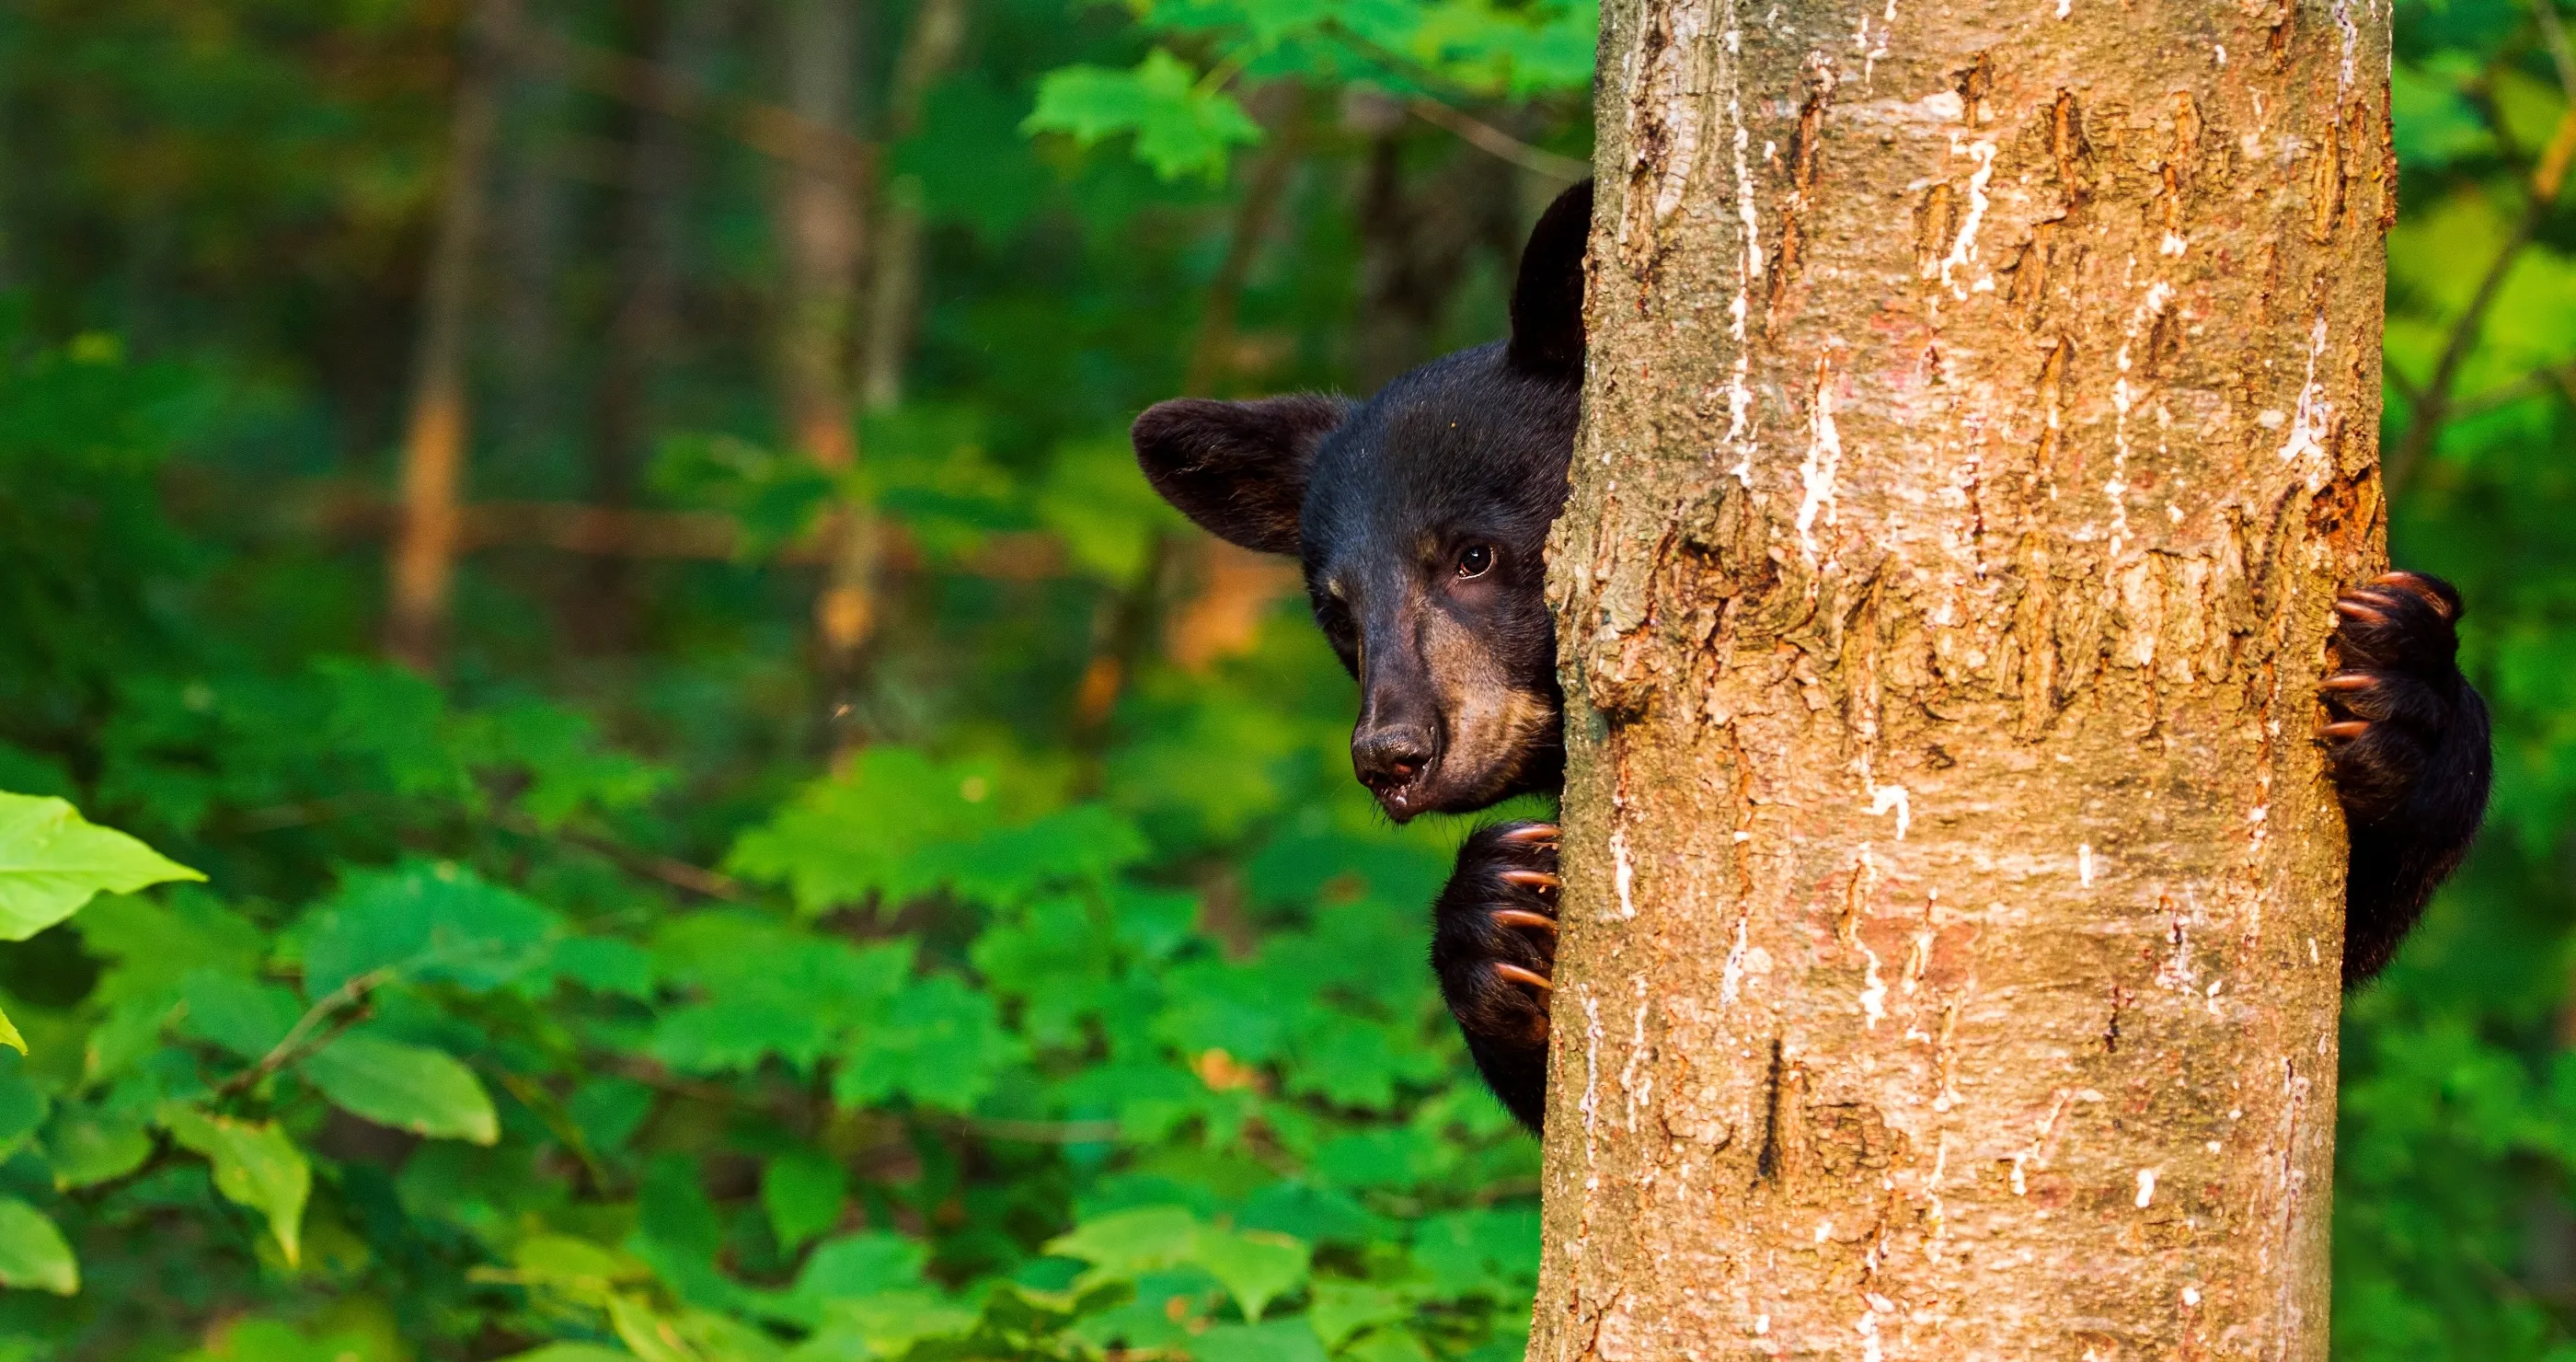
column 1181, row 126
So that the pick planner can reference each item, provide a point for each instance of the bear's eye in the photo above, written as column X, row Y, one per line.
column 1476, row 560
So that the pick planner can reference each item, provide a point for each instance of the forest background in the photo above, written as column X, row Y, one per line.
column 810, row 860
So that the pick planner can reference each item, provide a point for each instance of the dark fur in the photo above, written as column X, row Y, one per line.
column 1382, row 501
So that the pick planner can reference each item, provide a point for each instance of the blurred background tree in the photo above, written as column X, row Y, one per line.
column 735, row 827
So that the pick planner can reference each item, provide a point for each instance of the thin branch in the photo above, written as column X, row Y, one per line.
column 1486, row 137
column 2433, row 406
column 2553, row 36
column 677, row 873
column 322, row 1023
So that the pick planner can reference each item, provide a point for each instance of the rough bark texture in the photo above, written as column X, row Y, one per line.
column 1980, row 418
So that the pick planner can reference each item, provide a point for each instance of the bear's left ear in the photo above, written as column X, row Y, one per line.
column 1547, row 298
column 1237, row 468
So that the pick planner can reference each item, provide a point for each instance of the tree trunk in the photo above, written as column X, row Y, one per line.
column 648, row 226
column 1980, row 418
column 820, row 218
column 894, row 259
column 436, row 433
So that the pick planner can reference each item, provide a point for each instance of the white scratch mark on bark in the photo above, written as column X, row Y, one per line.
column 2351, row 36
column 2308, row 427
column 1739, row 389
column 1883, row 798
column 1963, row 251
column 2084, row 863
column 2146, row 1187
column 1873, row 990
column 1823, row 465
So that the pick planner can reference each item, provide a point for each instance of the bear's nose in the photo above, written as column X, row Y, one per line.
column 1388, row 759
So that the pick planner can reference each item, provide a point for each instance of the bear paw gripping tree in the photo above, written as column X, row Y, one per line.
column 1979, row 426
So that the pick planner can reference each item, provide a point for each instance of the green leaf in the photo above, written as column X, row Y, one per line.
column 609, row 1111
column 646, row 1333
column 1482, row 1252
column 1280, row 1340
column 563, row 1260
column 424, row 922
column 573, row 1352
column 244, row 1016
column 604, row 965
column 33, row 1253
column 92, row 1144
column 408, row 1087
column 1086, row 843
column 52, row 861
column 255, row 1166
column 941, row 1043
column 859, row 835
column 1181, row 126
column 1390, row 1345
column 156, row 946
column 1256, row 1266
column 9, row 1034
column 1343, row 1308
column 858, row 1265
column 1124, row 1243
column 802, row 1190
column 887, row 1324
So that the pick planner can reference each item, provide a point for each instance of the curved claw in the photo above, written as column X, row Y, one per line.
column 1522, row 917
column 1535, row 832
column 1518, row 975
column 2349, row 728
column 2413, row 584
column 1535, row 879
column 2351, row 609
column 2348, row 681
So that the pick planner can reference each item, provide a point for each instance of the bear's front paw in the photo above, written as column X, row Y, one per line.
column 2399, row 692
column 1493, row 935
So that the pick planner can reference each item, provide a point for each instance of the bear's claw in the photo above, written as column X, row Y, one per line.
column 1493, row 945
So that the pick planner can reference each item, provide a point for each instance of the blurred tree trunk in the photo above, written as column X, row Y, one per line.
column 1417, row 239
column 651, row 208
column 439, row 426
column 1128, row 623
column 1980, row 418
column 930, row 49
column 820, row 215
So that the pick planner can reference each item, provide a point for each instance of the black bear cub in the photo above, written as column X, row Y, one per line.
column 1420, row 516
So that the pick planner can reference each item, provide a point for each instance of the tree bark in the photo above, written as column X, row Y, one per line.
column 436, row 433
column 930, row 48
column 1980, row 418
column 821, row 217
column 648, row 226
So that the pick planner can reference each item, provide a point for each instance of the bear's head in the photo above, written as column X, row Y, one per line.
column 1421, row 517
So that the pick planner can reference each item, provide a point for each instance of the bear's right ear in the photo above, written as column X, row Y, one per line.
column 1547, row 295
column 1237, row 468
